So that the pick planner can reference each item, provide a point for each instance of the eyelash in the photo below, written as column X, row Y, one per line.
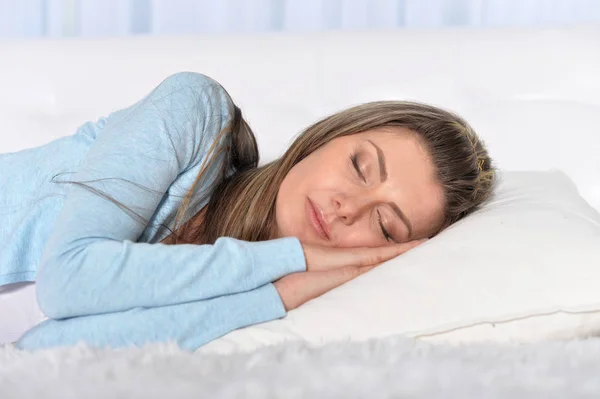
column 383, row 230
column 354, row 160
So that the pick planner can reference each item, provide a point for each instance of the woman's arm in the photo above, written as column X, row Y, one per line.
column 193, row 324
column 190, row 325
column 92, row 263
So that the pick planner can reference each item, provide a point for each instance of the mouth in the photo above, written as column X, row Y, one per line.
column 315, row 217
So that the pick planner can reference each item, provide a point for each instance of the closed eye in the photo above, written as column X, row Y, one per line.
column 354, row 159
column 386, row 235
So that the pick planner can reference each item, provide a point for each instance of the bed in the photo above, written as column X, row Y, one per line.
column 502, row 304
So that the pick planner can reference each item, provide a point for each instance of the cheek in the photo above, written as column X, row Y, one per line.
column 289, row 199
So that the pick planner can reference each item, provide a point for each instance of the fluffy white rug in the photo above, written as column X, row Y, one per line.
column 387, row 368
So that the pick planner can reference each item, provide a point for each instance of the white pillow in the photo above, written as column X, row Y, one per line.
column 525, row 267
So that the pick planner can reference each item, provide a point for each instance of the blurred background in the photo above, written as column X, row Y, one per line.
column 110, row 18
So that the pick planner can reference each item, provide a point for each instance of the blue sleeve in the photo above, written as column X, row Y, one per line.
column 92, row 263
column 190, row 325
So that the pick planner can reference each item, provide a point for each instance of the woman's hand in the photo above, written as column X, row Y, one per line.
column 328, row 268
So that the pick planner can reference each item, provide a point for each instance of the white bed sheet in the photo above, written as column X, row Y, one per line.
column 19, row 311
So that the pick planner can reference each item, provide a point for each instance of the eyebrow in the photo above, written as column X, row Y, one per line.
column 383, row 177
column 381, row 158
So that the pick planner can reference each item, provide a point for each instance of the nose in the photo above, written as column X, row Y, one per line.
column 348, row 208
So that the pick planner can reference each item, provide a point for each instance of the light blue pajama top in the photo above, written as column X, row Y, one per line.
column 101, row 275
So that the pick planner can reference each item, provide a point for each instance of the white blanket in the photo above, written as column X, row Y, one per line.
column 388, row 368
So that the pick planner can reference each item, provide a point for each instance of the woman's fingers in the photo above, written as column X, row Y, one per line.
column 320, row 258
column 374, row 256
column 328, row 268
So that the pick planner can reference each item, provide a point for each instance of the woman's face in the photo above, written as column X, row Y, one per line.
column 369, row 189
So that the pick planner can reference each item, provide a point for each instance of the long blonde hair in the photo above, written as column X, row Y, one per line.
column 242, row 204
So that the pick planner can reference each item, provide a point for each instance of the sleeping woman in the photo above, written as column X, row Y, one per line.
column 157, row 223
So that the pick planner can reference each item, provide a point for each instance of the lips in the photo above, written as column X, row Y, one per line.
column 315, row 217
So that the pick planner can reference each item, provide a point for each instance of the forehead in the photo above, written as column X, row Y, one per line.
column 411, row 173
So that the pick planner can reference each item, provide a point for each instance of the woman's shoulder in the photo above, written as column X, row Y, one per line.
column 191, row 97
column 193, row 86
column 188, row 79
column 189, row 107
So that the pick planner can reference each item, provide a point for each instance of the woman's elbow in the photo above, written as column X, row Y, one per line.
column 51, row 291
